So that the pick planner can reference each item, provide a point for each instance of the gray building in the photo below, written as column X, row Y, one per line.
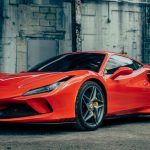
column 34, row 30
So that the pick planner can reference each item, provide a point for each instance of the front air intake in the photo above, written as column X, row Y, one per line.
column 16, row 111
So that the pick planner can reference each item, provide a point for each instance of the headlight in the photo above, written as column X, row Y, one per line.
column 47, row 88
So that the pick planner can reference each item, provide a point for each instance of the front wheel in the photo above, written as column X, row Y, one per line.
column 90, row 106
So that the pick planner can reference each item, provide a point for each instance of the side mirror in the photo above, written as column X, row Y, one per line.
column 121, row 71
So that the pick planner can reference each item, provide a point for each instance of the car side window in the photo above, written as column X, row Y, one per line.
column 116, row 61
column 137, row 65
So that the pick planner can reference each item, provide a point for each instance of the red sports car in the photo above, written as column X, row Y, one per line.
column 82, row 87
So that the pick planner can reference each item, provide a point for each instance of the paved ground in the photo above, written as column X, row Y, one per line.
column 115, row 134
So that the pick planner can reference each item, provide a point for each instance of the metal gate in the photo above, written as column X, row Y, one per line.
column 146, row 34
column 40, row 50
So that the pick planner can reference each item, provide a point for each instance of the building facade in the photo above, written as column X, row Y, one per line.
column 34, row 30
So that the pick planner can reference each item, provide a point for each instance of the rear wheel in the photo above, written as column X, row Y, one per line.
column 90, row 106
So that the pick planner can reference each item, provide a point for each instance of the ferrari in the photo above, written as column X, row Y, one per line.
column 81, row 88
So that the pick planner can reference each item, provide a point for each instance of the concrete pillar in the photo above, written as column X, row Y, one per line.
column 10, row 27
column 76, row 25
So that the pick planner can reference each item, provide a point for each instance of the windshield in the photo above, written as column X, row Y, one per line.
column 70, row 62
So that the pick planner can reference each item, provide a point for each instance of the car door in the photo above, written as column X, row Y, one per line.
column 128, row 93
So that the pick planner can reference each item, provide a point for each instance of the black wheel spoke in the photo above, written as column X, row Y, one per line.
column 100, row 101
column 89, row 116
column 86, row 97
column 101, row 106
column 96, row 115
column 86, row 104
column 86, row 113
column 93, row 94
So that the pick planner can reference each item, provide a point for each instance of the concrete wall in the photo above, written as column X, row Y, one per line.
column 112, row 27
column 107, row 26
column 22, row 22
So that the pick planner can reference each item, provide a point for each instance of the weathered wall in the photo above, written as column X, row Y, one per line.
column 1, row 32
column 112, row 26
column 23, row 22
column 107, row 26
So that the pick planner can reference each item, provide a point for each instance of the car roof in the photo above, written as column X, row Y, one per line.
column 104, row 52
column 96, row 52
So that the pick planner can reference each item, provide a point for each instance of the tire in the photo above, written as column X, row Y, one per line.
column 90, row 106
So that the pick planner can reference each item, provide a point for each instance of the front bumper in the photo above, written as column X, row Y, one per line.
column 57, row 106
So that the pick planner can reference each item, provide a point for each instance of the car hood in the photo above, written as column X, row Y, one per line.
column 23, row 79
column 12, row 85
